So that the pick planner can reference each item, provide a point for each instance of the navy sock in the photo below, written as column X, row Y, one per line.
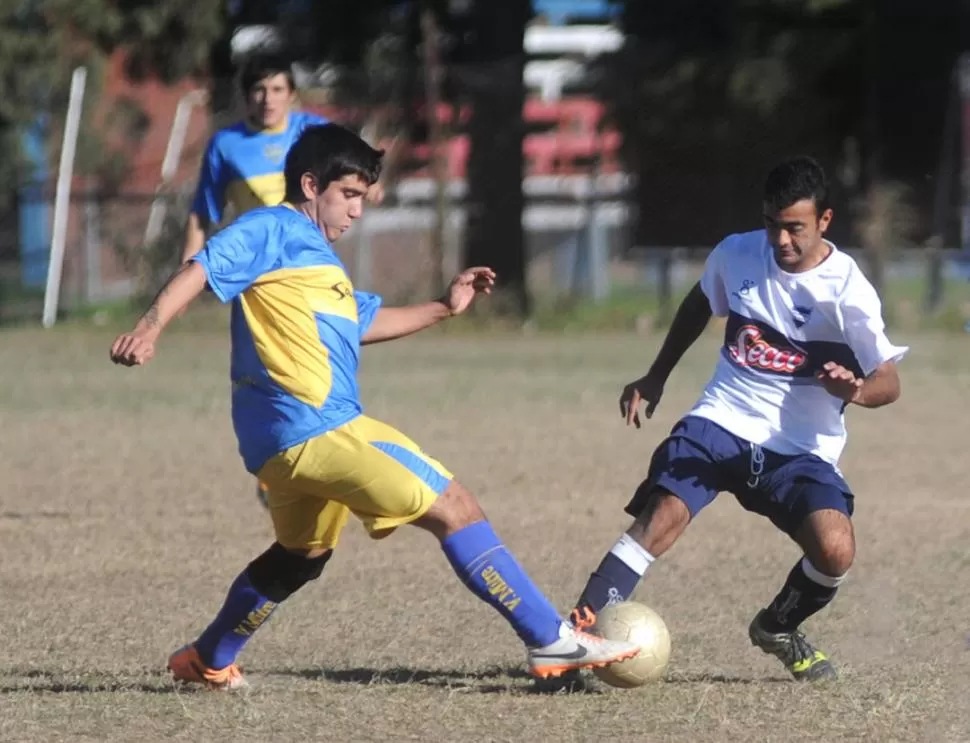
column 244, row 610
column 612, row 582
column 799, row 598
column 491, row 572
column 617, row 576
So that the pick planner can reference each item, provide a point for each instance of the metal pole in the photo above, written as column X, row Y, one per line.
column 62, row 200
column 432, row 94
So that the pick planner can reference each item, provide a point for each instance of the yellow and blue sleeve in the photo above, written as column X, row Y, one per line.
column 235, row 257
column 210, row 196
column 367, row 307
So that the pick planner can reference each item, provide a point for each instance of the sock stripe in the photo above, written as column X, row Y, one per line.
column 631, row 554
column 479, row 561
column 817, row 576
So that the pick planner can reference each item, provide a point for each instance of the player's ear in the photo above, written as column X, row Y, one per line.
column 825, row 220
column 309, row 186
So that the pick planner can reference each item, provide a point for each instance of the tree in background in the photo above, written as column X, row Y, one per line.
column 480, row 51
column 41, row 41
column 710, row 92
column 492, row 78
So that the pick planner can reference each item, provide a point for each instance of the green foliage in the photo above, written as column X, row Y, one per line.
column 710, row 92
column 41, row 41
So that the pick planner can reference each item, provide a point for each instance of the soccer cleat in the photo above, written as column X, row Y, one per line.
column 576, row 649
column 572, row 681
column 262, row 493
column 186, row 665
column 802, row 660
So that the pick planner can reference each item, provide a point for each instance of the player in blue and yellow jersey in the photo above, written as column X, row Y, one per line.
column 297, row 328
column 242, row 168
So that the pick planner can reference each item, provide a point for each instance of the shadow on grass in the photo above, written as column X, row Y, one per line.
column 720, row 678
column 494, row 680
column 41, row 681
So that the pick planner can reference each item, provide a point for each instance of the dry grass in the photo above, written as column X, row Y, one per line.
column 126, row 513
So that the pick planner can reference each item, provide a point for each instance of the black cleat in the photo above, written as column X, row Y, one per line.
column 802, row 660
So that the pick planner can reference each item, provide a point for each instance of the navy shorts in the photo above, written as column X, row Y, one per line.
column 699, row 459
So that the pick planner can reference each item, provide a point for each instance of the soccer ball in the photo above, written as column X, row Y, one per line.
column 642, row 626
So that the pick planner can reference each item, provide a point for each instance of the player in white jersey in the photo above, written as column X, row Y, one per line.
column 804, row 339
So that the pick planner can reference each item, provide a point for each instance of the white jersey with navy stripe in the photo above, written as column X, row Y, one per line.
column 781, row 329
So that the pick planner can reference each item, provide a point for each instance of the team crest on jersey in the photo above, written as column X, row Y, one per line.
column 343, row 289
column 751, row 349
column 274, row 153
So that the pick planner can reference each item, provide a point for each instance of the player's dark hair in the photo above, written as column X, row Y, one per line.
column 328, row 153
column 795, row 179
column 261, row 65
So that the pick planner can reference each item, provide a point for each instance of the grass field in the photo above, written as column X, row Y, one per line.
column 126, row 512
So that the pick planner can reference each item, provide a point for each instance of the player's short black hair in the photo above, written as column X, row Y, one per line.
column 795, row 179
column 261, row 65
column 329, row 152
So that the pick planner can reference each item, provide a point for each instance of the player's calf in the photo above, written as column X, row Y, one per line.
column 811, row 585
column 489, row 570
column 828, row 540
column 266, row 582
column 663, row 519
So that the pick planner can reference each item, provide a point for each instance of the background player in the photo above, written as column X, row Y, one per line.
column 297, row 325
column 243, row 164
column 804, row 339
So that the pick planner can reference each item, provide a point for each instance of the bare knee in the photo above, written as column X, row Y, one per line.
column 828, row 539
column 661, row 522
column 452, row 511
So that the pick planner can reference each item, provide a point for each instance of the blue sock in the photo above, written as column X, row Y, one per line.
column 244, row 610
column 617, row 576
column 491, row 573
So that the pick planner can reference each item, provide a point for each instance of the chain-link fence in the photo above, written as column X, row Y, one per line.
column 595, row 221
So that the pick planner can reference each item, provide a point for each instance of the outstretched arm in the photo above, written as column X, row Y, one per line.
column 138, row 346
column 692, row 317
column 396, row 322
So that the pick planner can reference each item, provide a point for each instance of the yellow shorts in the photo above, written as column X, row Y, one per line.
column 365, row 467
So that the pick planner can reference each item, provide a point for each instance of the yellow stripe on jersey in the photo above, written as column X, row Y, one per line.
column 296, row 328
column 256, row 191
column 280, row 310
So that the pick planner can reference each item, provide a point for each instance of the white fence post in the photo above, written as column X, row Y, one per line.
column 62, row 201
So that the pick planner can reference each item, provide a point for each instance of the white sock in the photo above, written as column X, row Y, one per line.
column 631, row 554
column 817, row 576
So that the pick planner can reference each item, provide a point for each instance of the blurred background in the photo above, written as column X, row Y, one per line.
column 593, row 151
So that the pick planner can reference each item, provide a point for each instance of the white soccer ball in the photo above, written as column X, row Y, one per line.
column 642, row 626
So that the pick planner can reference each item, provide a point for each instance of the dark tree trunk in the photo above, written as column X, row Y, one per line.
column 493, row 234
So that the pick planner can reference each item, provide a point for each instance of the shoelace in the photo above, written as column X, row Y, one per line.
column 583, row 619
column 799, row 649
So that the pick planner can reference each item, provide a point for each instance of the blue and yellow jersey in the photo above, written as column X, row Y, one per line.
column 296, row 329
column 243, row 166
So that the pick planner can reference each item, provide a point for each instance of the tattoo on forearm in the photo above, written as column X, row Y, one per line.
column 151, row 317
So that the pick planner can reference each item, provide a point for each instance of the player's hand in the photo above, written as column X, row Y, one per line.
column 375, row 194
column 839, row 381
column 648, row 389
column 466, row 286
column 133, row 349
